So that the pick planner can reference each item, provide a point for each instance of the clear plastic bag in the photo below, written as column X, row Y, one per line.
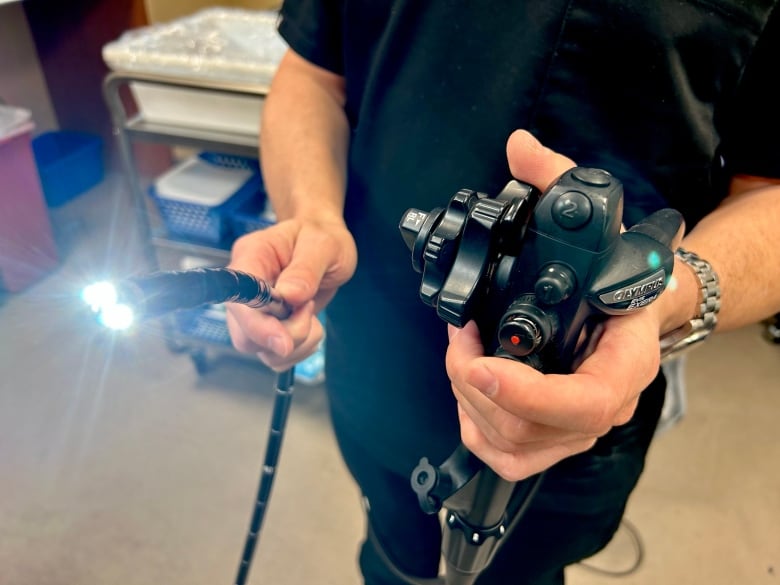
column 215, row 44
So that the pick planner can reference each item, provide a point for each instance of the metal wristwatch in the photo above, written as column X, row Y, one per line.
column 697, row 329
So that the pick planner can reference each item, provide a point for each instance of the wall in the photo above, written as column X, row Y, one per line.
column 164, row 10
column 22, row 82
column 69, row 37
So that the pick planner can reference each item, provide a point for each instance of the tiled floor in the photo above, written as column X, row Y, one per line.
column 119, row 464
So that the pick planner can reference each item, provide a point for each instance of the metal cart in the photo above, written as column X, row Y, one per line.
column 130, row 126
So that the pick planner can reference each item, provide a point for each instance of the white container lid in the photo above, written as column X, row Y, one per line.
column 199, row 182
column 12, row 119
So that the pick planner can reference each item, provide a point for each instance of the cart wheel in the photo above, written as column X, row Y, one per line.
column 200, row 360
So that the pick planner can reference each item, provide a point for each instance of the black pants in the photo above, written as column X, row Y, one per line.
column 575, row 513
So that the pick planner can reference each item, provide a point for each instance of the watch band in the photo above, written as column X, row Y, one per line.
column 704, row 322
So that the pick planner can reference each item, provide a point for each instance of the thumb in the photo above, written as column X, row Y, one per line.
column 315, row 255
column 300, row 280
column 532, row 162
column 466, row 342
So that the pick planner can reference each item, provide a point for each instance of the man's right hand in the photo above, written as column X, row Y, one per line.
column 307, row 261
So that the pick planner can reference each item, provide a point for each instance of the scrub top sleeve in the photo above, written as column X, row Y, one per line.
column 313, row 29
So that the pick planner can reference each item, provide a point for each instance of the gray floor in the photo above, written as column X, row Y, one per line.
column 119, row 464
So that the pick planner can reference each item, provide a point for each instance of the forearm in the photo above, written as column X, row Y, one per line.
column 741, row 240
column 303, row 142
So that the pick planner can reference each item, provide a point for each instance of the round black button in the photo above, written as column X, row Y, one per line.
column 520, row 336
column 555, row 284
column 572, row 210
column 593, row 177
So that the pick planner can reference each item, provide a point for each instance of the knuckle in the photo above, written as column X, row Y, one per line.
column 601, row 420
column 241, row 245
column 242, row 343
column 509, row 470
column 504, row 443
column 583, row 446
column 627, row 413
column 622, row 418
column 517, row 430
column 471, row 439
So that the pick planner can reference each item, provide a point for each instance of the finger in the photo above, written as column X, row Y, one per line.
column 505, row 432
column 523, row 463
column 471, row 383
column 532, row 162
column 591, row 400
column 253, row 331
column 502, row 428
column 472, row 373
column 245, row 343
column 259, row 253
column 629, row 352
column 317, row 258
column 301, row 352
column 465, row 345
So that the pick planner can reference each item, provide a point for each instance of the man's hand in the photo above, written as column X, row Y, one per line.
column 307, row 262
column 520, row 421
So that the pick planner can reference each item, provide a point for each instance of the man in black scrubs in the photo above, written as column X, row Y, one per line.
column 386, row 105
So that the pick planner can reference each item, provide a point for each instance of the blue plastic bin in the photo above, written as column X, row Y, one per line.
column 197, row 197
column 230, row 161
column 69, row 163
column 204, row 323
column 251, row 215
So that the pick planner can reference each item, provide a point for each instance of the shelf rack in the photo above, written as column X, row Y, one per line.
column 130, row 127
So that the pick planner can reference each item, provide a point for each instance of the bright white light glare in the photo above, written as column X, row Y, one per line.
column 99, row 296
column 117, row 317
column 103, row 299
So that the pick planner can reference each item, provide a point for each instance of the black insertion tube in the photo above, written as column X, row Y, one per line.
column 161, row 292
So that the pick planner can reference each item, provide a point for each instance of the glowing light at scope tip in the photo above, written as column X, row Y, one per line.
column 118, row 317
column 99, row 295
column 103, row 299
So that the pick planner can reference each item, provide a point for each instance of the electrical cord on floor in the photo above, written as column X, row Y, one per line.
column 639, row 551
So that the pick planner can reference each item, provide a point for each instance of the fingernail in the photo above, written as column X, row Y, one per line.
column 483, row 380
